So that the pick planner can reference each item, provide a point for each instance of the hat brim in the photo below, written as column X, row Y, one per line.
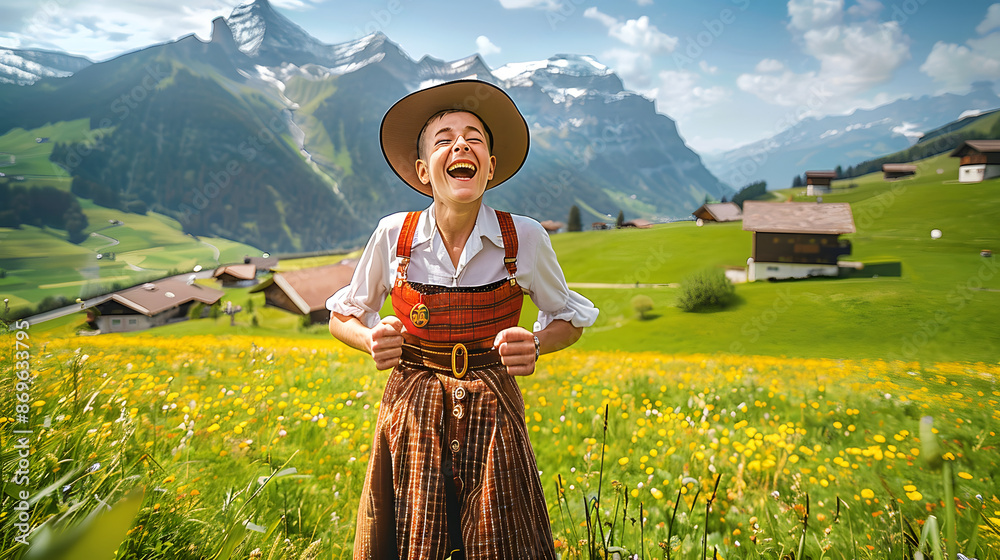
column 403, row 122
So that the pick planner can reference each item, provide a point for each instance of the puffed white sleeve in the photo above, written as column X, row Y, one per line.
column 369, row 287
column 548, row 289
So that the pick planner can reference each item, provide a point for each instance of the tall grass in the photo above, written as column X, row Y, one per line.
column 249, row 447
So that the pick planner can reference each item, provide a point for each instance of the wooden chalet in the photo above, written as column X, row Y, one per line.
column 305, row 291
column 720, row 212
column 980, row 160
column 893, row 171
column 796, row 239
column 818, row 182
column 236, row 275
column 150, row 305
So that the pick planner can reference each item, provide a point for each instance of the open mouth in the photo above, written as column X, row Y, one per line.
column 462, row 170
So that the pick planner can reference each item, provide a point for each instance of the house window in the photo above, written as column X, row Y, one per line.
column 115, row 322
column 772, row 269
column 131, row 321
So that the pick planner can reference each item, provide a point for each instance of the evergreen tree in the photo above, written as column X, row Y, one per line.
column 797, row 181
column 574, row 223
column 620, row 222
column 839, row 172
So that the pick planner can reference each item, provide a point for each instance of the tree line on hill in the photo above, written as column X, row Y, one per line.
column 922, row 149
column 42, row 207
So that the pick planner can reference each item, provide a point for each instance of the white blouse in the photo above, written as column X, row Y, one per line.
column 538, row 271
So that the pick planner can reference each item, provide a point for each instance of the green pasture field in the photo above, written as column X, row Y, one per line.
column 917, row 298
column 32, row 157
column 248, row 446
column 39, row 262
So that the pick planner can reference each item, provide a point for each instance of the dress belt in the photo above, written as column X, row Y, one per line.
column 454, row 358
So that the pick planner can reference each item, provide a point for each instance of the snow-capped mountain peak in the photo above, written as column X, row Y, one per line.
column 25, row 67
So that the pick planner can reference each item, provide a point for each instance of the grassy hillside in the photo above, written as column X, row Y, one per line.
column 40, row 263
column 917, row 298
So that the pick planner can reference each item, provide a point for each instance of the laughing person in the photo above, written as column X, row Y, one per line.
column 452, row 471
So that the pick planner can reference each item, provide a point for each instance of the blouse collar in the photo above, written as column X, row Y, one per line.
column 487, row 226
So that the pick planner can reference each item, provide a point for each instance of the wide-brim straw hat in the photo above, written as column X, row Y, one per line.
column 403, row 122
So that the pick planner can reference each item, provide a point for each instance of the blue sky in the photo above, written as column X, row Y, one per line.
column 728, row 71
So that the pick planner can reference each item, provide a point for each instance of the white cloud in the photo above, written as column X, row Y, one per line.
column 991, row 22
column 678, row 93
column 637, row 33
column 644, row 2
column 486, row 47
column 707, row 68
column 810, row 14
column 852, row 57
column 957, row 66
column 770, row 65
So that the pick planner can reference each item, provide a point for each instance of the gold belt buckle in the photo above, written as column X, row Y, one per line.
column 459, row 350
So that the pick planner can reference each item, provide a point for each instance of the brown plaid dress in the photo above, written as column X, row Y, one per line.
column 451, row 430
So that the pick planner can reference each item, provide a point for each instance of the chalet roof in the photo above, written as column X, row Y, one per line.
column 981, row 146
column 239, row 271
column 899, row 168
column 152, row 298
column 639, row 223
column 798, row 217
column 552, row 225
column 309, row 288
column 720, row 212
column 822, row 174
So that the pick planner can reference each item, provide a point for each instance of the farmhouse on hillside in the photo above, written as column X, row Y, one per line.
column 306, row 290
column 796, row 239
column 236, row 275
column 980, row 160
column 818, row 182
column 893, row 171
column 720, row 212
column 150, row 305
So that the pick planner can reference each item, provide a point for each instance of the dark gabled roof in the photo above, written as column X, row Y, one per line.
column 152, row 298
column 798, row 217
column 309, row 288
column 720, row 212
column 899, row 168
column 981, row 146
column 822, row 174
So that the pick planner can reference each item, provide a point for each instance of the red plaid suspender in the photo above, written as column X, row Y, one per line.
column 509, row 242
column 405, row 244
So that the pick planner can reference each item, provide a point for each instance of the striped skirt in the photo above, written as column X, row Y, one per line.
column 480, row 419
